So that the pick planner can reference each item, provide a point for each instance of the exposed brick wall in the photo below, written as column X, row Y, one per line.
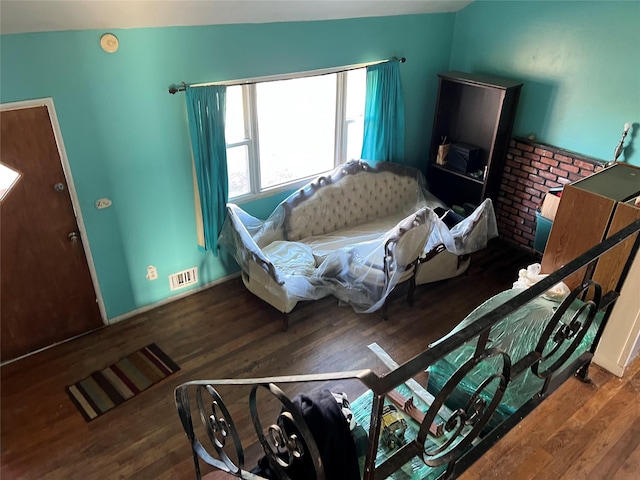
column 530, row 170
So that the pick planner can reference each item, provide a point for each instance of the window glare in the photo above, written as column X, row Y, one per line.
column 356, row 93
column 8, row 178
column 234, row 116
column 356, row 90
column 355, row 135
column 286, row 130
column 238, row 171
column 296, row 124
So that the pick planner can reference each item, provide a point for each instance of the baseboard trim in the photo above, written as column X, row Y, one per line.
column 608, row 365
column 133, row 313
column 171, row 299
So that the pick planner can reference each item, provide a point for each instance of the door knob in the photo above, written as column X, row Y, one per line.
column 73, row 237
column 58, row 187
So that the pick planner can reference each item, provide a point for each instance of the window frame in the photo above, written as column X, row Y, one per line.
column 252, row 136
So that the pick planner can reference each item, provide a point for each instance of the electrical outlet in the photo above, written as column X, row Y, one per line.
column 152, row 273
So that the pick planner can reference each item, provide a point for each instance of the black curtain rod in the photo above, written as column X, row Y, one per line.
column 181, row 87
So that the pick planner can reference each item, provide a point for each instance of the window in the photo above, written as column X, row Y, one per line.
column 8, row 178
column 281, row 133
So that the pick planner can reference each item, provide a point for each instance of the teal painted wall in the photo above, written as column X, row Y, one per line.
column 579, row 62
column 127, row 138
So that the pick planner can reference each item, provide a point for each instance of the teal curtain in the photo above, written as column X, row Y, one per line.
column 384, row 114
column 206, row 110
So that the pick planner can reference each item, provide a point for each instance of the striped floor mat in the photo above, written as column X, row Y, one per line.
column 107, row 388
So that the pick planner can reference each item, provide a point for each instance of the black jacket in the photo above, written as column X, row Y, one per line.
column 331, row 433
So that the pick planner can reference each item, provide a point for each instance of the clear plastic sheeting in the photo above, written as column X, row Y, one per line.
column 531, row 275
column 364, row 273
column 469, row 235
column 517, row 335
column 354, row 233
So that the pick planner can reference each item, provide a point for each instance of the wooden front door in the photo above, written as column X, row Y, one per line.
column 47, row 294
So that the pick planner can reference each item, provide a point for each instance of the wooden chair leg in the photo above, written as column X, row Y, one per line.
column 385, row 311
column 285, row 322
column 412, row 290
column 461, row 259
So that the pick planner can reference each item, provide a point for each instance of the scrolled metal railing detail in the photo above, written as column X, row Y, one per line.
column 466, row 423
column 219, row 426
column 557, row 332
column 288, row 440
column 284, row 443
column 215, row 424
column 460, row 437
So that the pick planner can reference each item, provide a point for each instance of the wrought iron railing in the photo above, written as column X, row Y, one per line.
column 446, row 440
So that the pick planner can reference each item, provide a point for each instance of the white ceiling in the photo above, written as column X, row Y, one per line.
column 21, row 16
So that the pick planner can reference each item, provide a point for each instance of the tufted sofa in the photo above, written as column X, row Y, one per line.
column 332, row 236
column 351, row 199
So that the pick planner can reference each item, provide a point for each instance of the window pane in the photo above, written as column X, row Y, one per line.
column 238, row 170
column 355, row 134
column 296, row 125
column 8, row 178
column 234, row 118
column 356, row 90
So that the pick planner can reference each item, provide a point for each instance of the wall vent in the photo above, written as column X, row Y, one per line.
column 184, row 278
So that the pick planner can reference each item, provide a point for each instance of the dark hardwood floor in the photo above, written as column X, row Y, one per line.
column 583, row 431
column 225, row 332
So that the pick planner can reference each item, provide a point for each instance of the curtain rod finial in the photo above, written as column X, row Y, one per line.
column 173, row 88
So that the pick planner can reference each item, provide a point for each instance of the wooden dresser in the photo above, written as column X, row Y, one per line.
column 591, row 210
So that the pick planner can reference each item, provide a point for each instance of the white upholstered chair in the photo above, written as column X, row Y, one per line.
column 380, row 270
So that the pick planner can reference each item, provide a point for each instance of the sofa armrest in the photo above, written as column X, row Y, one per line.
column 469, row 235
column 237, row 237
